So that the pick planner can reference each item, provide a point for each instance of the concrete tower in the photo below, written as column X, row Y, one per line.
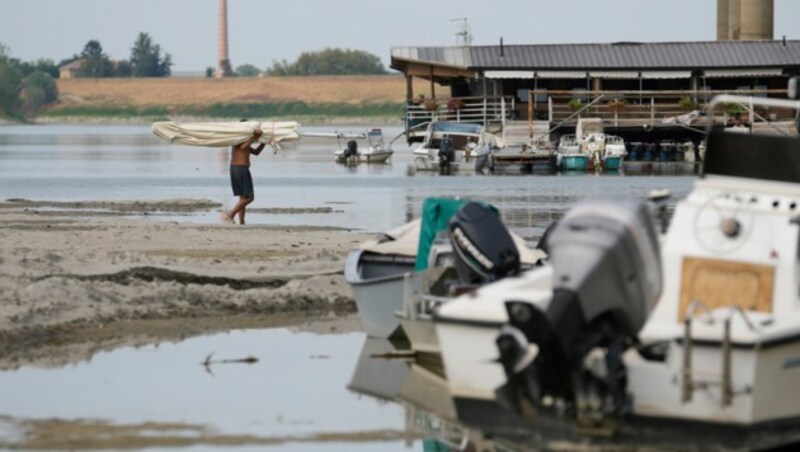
column 744, row 20
column 224, row 63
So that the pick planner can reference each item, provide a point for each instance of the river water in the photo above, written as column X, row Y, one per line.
column 304, row 385
column 57, row 163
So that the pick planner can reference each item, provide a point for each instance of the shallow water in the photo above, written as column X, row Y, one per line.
column 69, row 162
column 297, row 388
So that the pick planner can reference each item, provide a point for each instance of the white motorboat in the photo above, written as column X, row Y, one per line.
column 585, row 339
column 447, row 146
column 374, row 150
column 728, row 322
column 614, row 153
column 386, row 275
column 378, row 273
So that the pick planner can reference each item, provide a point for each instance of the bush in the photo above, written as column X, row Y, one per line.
column 330, row 62
column 575, row 104
column 43, row 81
column 687, row 103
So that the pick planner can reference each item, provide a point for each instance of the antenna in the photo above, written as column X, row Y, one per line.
column 464, row 34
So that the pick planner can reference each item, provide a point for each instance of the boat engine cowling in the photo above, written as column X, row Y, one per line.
column 605, row 257
column 606, row 279
column 351, row 150
column 484, row 249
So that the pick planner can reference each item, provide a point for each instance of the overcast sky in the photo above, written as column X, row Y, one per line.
column 261, row 31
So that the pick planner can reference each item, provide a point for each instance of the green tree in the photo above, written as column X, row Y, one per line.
column 43, row 81
column 330, row 62
column 209, row 72
column 247, row 70
column 123, row 68
column 146, row 60
column 10, row 84
column 95, row 62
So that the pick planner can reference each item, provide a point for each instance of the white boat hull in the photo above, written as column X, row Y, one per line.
column 421, row 333
column 367, row 157
column 377, row 299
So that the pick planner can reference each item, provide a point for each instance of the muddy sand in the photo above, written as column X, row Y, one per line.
column 79, row 277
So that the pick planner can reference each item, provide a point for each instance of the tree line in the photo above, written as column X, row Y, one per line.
column 329, row 61
column 145, row 61
column 27, row 87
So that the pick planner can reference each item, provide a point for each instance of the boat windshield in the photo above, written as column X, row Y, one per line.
column 753, row 156
column 456, row 127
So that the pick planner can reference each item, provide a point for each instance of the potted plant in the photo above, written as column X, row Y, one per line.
column 455, row 104
column 687, row 103
column 430, row 104
column 616, row 105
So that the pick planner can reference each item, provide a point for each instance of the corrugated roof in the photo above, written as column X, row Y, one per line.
column 667, row 55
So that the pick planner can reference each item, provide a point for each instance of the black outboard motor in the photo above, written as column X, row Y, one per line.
column 446, row 154
column 607, row 277
column 351, row 150
column 484, row 249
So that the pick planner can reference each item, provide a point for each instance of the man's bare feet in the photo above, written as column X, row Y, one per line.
column 225, row 217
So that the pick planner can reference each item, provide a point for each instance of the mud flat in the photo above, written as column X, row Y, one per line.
column 97, row 272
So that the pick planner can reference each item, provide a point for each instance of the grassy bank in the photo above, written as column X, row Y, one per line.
column 385, row 112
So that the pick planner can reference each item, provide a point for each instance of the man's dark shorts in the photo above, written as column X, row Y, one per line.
column 242, row 181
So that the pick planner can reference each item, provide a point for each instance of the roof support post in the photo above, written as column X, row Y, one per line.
column 433, row 90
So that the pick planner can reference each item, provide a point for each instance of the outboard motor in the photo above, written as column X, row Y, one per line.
column 484, row 249
column 446, row 154
column 607, row 277
column 351, row 150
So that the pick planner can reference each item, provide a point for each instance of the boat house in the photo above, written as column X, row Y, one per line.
column 634, row 87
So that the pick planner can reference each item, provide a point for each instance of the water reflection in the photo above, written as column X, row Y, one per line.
column 419, row 386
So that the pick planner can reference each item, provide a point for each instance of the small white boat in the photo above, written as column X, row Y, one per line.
column 374, row 151
column 479, row 250
column 378, row 273
column 447, row 146
column 387, row 275
column 614, row 153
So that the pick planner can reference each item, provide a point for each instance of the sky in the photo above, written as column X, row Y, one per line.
column 263, row 31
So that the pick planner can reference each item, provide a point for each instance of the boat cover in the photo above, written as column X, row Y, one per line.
column 222, row 134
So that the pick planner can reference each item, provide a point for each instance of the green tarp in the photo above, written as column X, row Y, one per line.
column 436, row 214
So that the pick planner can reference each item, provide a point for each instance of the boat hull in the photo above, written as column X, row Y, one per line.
column 371, row 157
column 378, row 298
column 613, row 163
column 421, row 333
column 575, row 162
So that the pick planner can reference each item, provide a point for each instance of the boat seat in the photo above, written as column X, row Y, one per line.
column 717, row 283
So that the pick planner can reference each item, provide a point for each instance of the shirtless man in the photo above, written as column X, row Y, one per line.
column 241, row 180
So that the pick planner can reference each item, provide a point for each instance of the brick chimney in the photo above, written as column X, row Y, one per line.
column 224, row 63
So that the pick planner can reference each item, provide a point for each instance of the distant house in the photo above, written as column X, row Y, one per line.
column 70, row 70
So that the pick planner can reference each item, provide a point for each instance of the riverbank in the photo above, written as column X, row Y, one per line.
column 318, row 100
column 75, row 273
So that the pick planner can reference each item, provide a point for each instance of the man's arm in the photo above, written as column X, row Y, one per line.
column 256, row 135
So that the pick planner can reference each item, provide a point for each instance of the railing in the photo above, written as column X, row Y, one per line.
column 479, row 110
column 637, row 107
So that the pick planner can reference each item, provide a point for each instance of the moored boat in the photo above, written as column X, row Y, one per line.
column 447, row 146
column 374, row 151
column 703, row 330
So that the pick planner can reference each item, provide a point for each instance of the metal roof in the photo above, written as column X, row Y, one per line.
column 666, row 55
